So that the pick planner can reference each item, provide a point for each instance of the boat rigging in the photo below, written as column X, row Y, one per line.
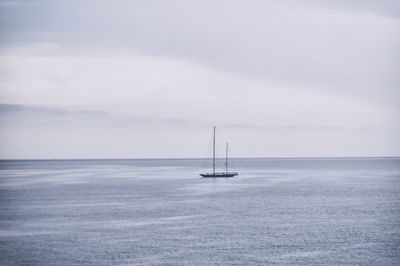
column 215, row 174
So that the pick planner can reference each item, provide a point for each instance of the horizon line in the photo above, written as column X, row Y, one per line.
column 195, row 158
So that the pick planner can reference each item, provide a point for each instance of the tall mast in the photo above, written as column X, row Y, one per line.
column 214, row 152
column 226, row 158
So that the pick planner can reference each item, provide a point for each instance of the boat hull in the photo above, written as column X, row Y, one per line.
column 218, row 175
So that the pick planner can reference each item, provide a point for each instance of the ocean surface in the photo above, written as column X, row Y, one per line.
column 160, row 212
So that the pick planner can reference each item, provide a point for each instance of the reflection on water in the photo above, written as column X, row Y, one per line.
column 282, row 211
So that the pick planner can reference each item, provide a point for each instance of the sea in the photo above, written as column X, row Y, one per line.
column 294, row 211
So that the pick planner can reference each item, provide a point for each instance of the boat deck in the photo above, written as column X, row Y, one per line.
column 216, row 175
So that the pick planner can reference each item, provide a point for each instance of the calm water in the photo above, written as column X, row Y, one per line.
column 278, row 211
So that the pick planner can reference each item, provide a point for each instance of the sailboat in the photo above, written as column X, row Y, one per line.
column 219, row 174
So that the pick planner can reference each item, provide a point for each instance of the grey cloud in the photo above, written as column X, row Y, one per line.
column 387, row 8
column 27, row 109
column 25, row 115
column 17, row 114
column 40, row 132
column 293, row 128
column 305, row 55
column 291, row 42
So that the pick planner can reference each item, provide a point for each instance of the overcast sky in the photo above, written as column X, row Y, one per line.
column 134, row 79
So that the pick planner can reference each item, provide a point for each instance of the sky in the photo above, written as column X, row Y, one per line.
column 149, row 79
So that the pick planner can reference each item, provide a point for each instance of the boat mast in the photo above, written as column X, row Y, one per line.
column 226, row 159
column 214, row 152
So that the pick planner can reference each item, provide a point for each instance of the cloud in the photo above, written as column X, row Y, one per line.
column 41, row 116
column 25, row 115
column 386, row 8
column 276, row 74
column 38, row 110
column 42, row 132
column 330, row 46
column 160, row 87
